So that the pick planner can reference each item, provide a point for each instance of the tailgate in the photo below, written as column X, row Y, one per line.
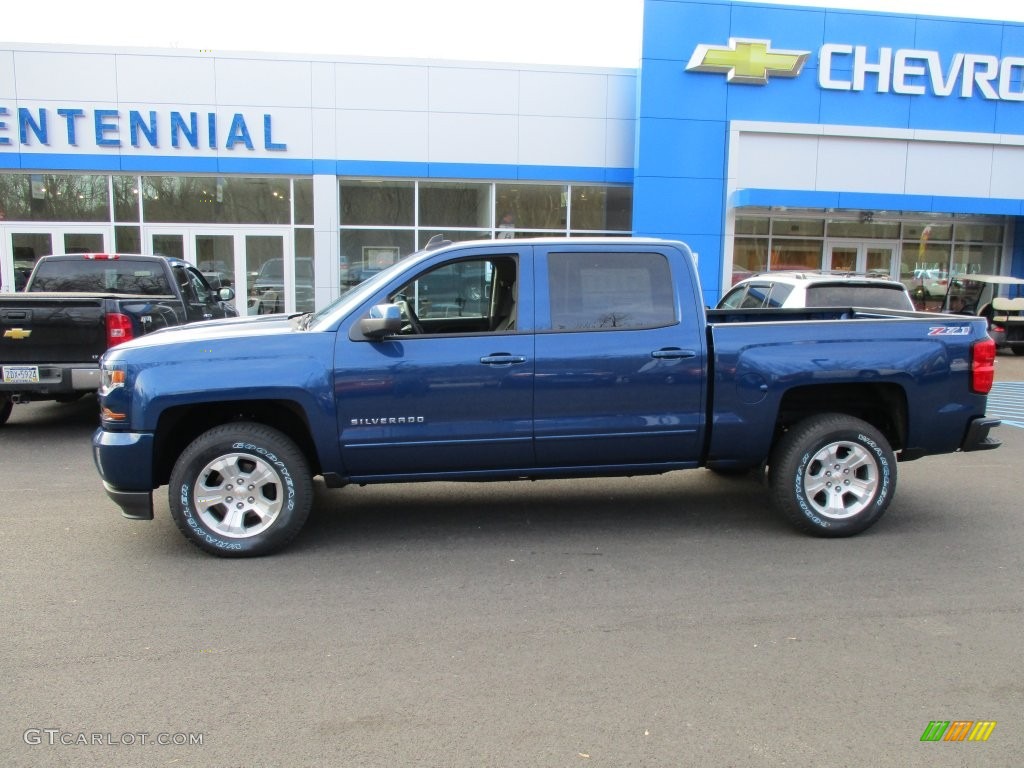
column 34, row 329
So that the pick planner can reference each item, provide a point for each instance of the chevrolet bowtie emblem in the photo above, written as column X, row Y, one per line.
column 17, row 334
column 747, row 61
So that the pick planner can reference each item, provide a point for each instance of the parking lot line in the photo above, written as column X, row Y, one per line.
column 1006, row 402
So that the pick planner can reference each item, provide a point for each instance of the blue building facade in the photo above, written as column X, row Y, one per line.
column 887, row 142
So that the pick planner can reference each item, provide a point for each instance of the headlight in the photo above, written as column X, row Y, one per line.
column 112, row 378
column 113, row 392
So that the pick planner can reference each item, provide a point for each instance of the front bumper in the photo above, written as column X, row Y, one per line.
column 135, row 505
column 125, row 463
column 977, row 438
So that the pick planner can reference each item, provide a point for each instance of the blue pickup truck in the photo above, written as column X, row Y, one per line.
column 565, row 358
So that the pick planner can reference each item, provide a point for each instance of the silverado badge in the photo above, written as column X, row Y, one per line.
column 17, row 334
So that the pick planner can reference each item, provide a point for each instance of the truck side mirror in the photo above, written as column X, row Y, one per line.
column 225, row 294
column 383, row 320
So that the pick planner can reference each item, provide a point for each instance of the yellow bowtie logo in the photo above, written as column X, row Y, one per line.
column 747, row 61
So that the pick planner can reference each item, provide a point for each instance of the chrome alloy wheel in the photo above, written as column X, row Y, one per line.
column 841, row 480
column 238, row 495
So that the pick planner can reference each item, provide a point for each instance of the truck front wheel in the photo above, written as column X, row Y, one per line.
column 241, row 490
column 832, row 475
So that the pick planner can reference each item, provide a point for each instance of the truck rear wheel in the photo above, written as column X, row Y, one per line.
column 6, row 405
column 832, row 475
column 241, row 490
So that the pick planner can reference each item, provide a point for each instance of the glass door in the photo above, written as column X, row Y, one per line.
column 258, row 265
column 24, row 244
column 877, row 258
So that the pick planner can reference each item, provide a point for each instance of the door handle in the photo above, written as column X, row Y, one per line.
column 673, row 354
column 502, row 358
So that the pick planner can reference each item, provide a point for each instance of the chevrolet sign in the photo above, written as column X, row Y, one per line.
column 842, row 67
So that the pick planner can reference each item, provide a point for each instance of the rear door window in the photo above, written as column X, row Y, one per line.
column 609, row 291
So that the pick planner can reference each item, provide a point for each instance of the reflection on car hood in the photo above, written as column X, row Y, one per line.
column 215, row 329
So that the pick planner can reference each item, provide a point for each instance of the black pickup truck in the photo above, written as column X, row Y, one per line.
column 75, row 307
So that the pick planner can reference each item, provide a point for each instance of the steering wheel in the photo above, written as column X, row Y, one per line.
column 411, row 322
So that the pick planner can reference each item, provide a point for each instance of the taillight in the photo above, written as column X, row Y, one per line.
column 983, row 366
column 119, row 328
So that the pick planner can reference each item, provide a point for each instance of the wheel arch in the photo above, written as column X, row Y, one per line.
column 881, row 404
column 180, row 425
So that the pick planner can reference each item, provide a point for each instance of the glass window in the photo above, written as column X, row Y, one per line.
column 750, row 225
column 264, row 276
column 757, row 296
column 377, row 203
column 601, row 208
column 925, row 256
column 365, row 252
column 126, row 198
column 796, row 254
column 779, row 294
column 979, row 233
column 857, row 296
column 89, row 275
column 216, row 200
column 54, row 197
column 127, row 240
column 927, row 231
column 605, row 291
column 749, row 257
column 169, row 245
column 882, row 230
column 798, row 227
column 976, row 259
column 530, row 206
column 734, row 298
column 468, row 296
column 455, row 205
column 303, row 201
column 305, row 285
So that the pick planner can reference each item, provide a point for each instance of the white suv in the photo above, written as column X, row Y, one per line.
column 782, row 290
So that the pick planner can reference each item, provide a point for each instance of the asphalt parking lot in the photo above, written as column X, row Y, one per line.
column 667, row 621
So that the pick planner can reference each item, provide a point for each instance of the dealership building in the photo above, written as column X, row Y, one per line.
column 765, row 136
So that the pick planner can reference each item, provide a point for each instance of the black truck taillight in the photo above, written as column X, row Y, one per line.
column 119, row 328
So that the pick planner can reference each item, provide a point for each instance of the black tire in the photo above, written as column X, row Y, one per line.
column 6, row 405
column 1017, row 349
column 832, row 475
column 277, row 500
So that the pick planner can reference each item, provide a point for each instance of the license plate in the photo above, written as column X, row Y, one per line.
column 21, row 374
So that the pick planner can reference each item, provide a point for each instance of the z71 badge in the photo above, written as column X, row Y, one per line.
column 953, row 330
